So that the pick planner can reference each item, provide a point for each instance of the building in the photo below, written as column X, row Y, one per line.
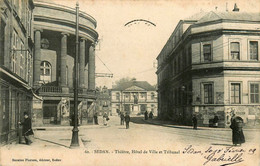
column 103, row 101
column 55, row 43
column 16, row 60
column 134, row 97
column 210, row 66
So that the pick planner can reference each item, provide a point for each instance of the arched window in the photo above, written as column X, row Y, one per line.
column 45, row 72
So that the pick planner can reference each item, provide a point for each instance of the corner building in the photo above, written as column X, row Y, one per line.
column 55, row 49
column 210, row 66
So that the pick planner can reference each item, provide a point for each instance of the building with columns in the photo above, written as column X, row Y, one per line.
column 210, row 66
column 16, row 65
column 134, row 97
column 55, row 49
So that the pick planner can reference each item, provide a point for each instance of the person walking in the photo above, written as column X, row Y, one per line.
column 105, row 119
column 27, row 128
column 122, row 118
column 151, row 115
column 146, row 115
column 215, row 121
column 96, row 118
column 195, row 122
column 237, row 131
column 127, row 120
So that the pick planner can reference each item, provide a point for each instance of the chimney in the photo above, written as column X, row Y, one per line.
column 236, row 9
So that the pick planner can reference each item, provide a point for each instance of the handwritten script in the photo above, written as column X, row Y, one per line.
column 225, row 156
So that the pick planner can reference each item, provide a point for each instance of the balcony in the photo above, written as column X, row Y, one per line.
column 68, row 92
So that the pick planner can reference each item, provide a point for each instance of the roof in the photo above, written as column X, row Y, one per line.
column 141, row 84
column 196, row 16
column 238, row 16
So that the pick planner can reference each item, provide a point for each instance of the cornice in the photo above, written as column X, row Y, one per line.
column 65, row 9
column 223, row 21
column 68, row 23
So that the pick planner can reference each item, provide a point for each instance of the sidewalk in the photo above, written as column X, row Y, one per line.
column 170, row 124
column 57, row 137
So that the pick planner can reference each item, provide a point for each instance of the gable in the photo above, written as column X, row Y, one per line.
column 134, row 88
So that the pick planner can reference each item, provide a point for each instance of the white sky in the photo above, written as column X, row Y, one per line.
column 131, row 51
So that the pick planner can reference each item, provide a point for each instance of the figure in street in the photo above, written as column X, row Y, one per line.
column 127, row 120
column 96, row 118
column 195, row 122
column 122, row 118
column 151, row 115
column 105, row 119
column 27, row 128
column 146, row 115
column 215, row 121
column 237, row 133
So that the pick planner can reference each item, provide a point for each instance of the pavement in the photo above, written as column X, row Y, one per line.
column 114, row 145
column 156, row 121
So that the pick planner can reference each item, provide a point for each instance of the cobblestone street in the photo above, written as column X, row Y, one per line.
column 144, row 143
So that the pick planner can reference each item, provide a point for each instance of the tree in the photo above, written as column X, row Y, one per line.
column 123, row 80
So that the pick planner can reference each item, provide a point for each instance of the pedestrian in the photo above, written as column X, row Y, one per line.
column 237, row 131
column 27, row 128
column 215, row 121
column 127, row 120
column 195, row 122
column 146, row 115
column 96, row 118
column 105, row 119
column 151, row 115
column 122, row 118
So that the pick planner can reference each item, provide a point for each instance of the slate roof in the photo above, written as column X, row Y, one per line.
column 239, row 16
column 142, row 84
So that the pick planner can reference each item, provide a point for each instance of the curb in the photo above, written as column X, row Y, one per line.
column 199, row 128
column 44, row 128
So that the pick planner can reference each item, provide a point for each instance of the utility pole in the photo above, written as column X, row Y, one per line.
column 75, row 130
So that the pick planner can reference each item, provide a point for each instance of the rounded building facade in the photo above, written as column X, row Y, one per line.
column 54, row 54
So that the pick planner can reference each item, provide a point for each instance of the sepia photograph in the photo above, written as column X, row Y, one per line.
column 129, row 82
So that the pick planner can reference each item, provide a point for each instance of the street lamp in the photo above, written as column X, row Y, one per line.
column 75, row 130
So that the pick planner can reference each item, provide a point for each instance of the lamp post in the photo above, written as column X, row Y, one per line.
column 75, row 130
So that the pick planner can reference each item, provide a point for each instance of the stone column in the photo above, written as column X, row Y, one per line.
column 37, row 57
column 63, row 60
column 86, row 76
column 91, row 68
column 82, row 64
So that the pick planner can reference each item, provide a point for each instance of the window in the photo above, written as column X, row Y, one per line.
column 152, row 96
column 45, row 71
column 207, row 52
column 235, row 93
column 189, row 55
column 22, row 61
column 2, row 41
column 254, row 93
column 253, row 50
column 235, row 50
column 143, row 95
column 117, row 96
column 208, row 93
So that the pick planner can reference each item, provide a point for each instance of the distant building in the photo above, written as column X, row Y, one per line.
column 16, row 65
column 210, row 66
column 103, row 101
column 55, row 40
column 134, row 97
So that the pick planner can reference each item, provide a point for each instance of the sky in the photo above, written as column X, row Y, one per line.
column 131, row 51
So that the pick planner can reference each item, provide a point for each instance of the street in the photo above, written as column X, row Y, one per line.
column 141, row 144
